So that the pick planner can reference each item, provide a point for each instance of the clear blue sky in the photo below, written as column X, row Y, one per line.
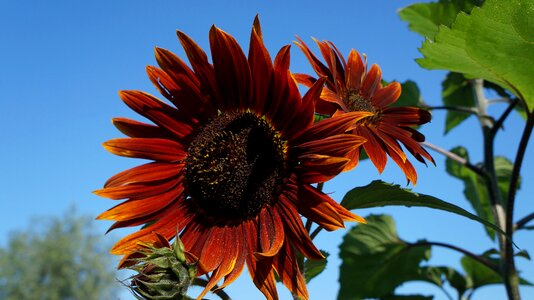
column 62, row 63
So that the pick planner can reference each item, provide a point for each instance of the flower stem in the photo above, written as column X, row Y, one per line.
column 203, row 283
column 489, row 130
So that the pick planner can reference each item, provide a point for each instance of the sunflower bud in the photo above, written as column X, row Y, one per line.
column 163, row 272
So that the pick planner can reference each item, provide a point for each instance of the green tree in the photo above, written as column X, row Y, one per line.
column 57, row 258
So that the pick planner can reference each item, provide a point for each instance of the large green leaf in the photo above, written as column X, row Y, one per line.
column 495, row 42
column 314, row 267
column 375, row 260
column 425, row 18
column 379, row 193
column 456, row 91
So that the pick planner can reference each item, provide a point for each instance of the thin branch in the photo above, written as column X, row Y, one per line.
column 203, row 283
column 500, row 100
column 486, row 262
column 498, row 124
column 464, row 109
column 442, row 288
column 523, row 222
column 456, row 158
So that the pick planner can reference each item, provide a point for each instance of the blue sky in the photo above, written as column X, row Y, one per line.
column 63, row 62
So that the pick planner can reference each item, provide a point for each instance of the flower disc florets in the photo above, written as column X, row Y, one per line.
column 235, row 166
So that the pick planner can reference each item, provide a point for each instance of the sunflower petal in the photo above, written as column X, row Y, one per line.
column 138, row 190
column 295, row 230
column 231, row 69
column 387, row 95
column 156, row 111
column 137, row 129
column 371, row 82
column 319, row 168
column 138, row 208
column 153, row 171
column 355, row 71
column 323, row 210
column 167, row 225
column 287, row 269
column 373, row 148
column 203, row 69
column 147, row 148
column 261, row 67
column 240, row 247
column 331, row 126
column 228, row 259
column 271, row 233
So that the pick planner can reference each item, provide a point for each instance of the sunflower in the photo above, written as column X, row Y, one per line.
column 351, row 87
column 232, row 163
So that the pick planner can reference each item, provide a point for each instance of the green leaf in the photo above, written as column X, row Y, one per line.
column 375, row 260
column 494, row 43
column 379, row 193
column 410, row 95
column 523, row 254
column 313, row 267
column 425, row 18
column 475, row 189
column 479, row 275
column 503, row 170
column 456, row 91
column 436, row 275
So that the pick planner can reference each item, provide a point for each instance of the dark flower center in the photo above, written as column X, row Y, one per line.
column 235, row 166
column 355, row 102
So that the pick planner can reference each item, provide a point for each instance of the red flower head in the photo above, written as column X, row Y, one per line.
column 350, row 88
column 232, row 163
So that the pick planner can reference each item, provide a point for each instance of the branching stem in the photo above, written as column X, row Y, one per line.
column 498, row 124
column 486, row 262
column 455, row 157
column 523, row 222
column 464, row 109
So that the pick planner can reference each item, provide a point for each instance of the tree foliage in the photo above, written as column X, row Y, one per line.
column 57, row 258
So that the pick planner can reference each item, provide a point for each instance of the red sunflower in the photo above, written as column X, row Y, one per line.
column 351, row 87
column 232, row 165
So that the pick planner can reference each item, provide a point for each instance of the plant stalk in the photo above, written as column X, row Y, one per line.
column 508, row 272
column 509, row 263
